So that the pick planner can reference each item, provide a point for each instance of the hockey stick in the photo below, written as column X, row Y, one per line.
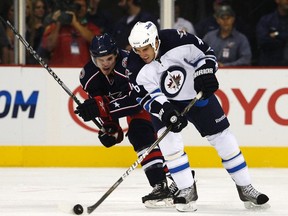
column 50, row 71
column 91, row 208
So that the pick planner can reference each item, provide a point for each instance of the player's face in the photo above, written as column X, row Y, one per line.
column 146, row 53
column 106, row 63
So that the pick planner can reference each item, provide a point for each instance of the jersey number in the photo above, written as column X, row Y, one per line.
column 136, row 88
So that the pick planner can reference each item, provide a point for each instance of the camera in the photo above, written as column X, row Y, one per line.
column 63, row 6
column 273, row 32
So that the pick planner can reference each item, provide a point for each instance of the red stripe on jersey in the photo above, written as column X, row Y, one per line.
column 155, row 154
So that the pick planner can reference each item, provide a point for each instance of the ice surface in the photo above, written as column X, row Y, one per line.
column 54, row 192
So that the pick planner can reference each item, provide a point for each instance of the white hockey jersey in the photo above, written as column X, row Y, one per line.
column 171, row 75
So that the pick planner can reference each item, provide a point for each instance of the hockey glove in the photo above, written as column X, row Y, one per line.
column 92, row 108
column 170, row 116
column 205, row 81
column 112, row 134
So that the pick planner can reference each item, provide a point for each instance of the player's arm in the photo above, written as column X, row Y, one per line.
column 107, row 108
column 113, row 107
column 94, row 107
column 205, row 67
column 123, row 106
column 205, row 79
column 151, row 98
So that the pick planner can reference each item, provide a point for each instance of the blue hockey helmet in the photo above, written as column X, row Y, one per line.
column 103, row 45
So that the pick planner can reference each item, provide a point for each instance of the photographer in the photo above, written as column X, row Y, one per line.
column 68, row 35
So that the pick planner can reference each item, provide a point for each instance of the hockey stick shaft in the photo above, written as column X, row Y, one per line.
column 42, row 62
column 90, row 209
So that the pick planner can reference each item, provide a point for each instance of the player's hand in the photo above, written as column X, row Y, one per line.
column 170, row 116
column 92, row 108
column 110, row 134
column 205, row 81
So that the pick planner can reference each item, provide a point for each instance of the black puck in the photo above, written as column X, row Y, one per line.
column 78, row 209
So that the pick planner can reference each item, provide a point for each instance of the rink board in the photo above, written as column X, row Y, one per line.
column 124, row 156
column 39, row 128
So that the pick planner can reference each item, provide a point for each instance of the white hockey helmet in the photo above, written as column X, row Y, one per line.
column 143, row 34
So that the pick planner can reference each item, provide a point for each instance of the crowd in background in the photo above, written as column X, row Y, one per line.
column 241, row 32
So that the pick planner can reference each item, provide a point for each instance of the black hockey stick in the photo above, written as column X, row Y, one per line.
column 91, row 208
column 50, row 71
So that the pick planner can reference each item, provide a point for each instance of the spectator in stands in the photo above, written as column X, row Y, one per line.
column 4, row 45
column 99, row 16
column 210, row 23
column 7, row 13
column 180, row 22
column 272, row 36
column 67, row 38
column 123, row 27
column 35, row 26
column 231, row 47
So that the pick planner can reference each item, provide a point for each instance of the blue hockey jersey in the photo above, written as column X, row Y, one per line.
column 115, row 86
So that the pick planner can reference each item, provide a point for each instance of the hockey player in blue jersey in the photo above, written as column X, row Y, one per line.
column 168, row 69
column 108, row 88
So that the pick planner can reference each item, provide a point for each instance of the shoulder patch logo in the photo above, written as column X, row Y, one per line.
column 181, row 32
column 124, row 62
column 127, row 72
column 199, row 40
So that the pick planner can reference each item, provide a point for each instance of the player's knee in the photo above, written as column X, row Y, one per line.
column 225, row 144
column 141, row 134
column 153, row 159
column 171, row 143
column 174, row 156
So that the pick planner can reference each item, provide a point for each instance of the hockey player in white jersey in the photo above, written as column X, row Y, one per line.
column 168, row 69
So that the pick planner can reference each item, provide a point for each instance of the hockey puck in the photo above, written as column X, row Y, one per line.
column 78, row 209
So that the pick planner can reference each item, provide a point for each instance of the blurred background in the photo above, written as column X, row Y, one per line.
column 106, row 14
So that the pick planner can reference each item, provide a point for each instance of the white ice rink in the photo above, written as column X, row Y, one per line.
column 54, row 191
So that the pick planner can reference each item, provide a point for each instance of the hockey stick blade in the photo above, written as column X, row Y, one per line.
column 91, row 208
column 42, row 62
